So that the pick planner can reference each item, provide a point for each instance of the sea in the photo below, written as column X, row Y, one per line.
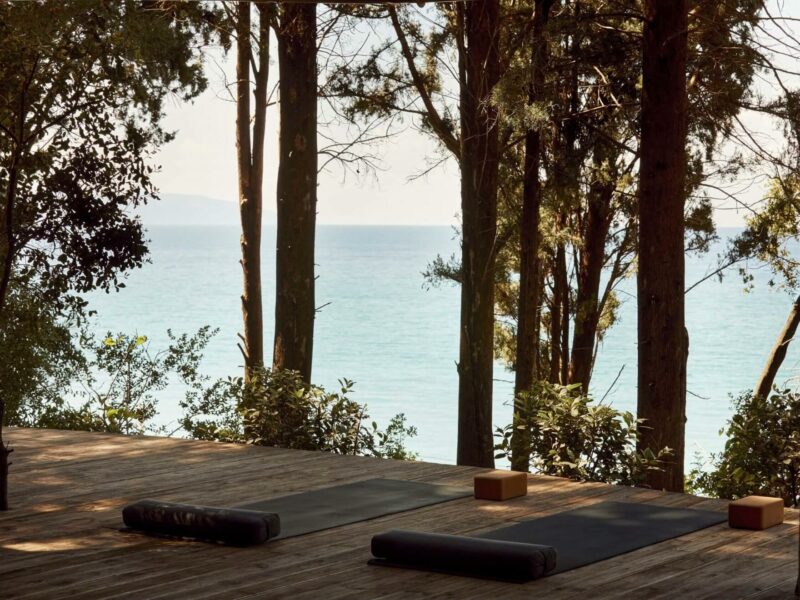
column 396, row 337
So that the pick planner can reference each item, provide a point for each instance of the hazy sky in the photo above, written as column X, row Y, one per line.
column 202, row 161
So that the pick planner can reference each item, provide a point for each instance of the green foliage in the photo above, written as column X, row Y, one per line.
column 111, row 384
column 572, row 436
column 277, row 408
column 82, row 87
column 38, row 356
column 762, row 454
column 769, row 233
column 120, row 381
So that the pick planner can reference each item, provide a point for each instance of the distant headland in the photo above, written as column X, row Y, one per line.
column 187, row 209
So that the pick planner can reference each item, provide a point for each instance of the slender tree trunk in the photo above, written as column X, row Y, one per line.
column 566, row 171
column 20, row 147
column 559, row 319
column 562, row 283
column 565, row 317
column 526, row 363
column 590, row 269
column 555, row 328
column 775, row 360
column 250, row 153
column 662, row 338
column 479, row 68
column 8, row 233
column 7, row 262
column 565, row 314
column 556, row 303
column 297, row 190
column 9, row 250
column 5, row 452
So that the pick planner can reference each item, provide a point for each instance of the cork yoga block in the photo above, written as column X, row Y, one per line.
column 755, row 512
column 501, row 485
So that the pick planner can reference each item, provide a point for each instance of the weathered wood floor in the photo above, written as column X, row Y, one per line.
column 61, row 538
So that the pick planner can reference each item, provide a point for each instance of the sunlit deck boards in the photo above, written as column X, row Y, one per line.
column 61, row 538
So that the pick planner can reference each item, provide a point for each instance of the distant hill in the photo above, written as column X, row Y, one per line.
column 184, row 209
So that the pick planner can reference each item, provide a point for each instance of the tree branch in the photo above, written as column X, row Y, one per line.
column 434, row 119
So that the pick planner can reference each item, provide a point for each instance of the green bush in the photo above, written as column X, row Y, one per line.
column 570, row 435
column 277, row 408
column 119, row 381
column 762, row 453
column 39, row 356
column 113, row 382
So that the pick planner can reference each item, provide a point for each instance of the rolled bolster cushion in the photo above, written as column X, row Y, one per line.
column 231, row 526
column 463, row 555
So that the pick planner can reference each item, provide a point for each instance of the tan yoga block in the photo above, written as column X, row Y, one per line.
column 755, row 512
column 501, row 485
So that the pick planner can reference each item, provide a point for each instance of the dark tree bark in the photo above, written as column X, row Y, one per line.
column 565, row 314
column 662, row 337
column 479, row 72
column 8, row 242
column 297, row 190
column 590, row 269
column 5, row 463
column 9, row 249
column 250, row 153
column 527, row 354
column 8, row 258
column 556, row 302
column 559, row 328
column 565, row 170
column 775, row 360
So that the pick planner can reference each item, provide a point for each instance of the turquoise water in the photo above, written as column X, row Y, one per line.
column 399, row 341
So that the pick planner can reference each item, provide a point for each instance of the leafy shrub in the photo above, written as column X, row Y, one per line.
column 762, row 454
column 570, row 435
column 120, row 380
column 277, row 408
column 38, row 356
column 117, row 378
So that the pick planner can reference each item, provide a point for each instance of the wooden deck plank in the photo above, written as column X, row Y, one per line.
column 61, row 539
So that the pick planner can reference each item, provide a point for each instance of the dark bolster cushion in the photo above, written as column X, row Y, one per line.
column 478, row 557
column 232, row 526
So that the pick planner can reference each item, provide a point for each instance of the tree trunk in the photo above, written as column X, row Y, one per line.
column 526, row 363
column 250, row 153
column 8, row 244
column 555, row 325
column 590, row 269
column 479, row 72
column 5, row 452
column 562, row 283
column 565, row 172
column 9, row 249
column 565, row 314
column 662, row 338
column 775, row 360
column 297, row 191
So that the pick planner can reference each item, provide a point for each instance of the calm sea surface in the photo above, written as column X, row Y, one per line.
column 399, row 341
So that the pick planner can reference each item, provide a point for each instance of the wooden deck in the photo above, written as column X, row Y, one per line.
column 61, row 538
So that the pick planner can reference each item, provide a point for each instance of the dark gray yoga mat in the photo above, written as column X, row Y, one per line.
column 329, row 507
column 594, row 533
